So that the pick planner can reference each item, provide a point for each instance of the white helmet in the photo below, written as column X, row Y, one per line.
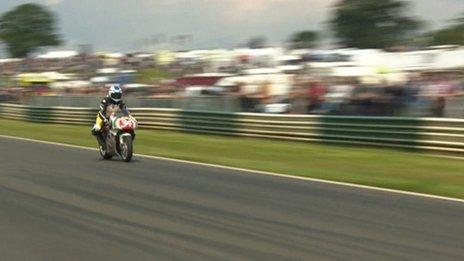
column 115, row 92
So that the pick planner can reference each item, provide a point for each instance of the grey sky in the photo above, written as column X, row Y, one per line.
column 119, row 25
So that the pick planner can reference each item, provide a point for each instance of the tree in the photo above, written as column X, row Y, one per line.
column 372, row 23
column 304, row 39
column 257, row 42
column 26, row 28
column 453, row 34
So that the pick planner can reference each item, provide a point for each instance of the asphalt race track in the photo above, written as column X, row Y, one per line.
column 60, row 203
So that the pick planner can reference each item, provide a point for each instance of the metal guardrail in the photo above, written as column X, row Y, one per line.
column 434, row 134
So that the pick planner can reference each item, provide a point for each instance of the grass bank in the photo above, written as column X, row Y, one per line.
column 367, row 166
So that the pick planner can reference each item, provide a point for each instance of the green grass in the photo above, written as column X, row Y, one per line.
column 385, row 168
column 152, row 75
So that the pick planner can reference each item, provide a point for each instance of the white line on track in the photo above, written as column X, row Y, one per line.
column 256, row 171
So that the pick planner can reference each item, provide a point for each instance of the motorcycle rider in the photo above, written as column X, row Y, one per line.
column 109, row 105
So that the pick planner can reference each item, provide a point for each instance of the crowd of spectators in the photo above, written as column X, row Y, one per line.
column 426, row 94
column 423, row 93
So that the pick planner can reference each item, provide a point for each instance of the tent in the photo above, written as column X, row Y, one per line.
column 58, row 55
column 449, row 60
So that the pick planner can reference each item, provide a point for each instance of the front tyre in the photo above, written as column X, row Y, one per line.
column 126, row 148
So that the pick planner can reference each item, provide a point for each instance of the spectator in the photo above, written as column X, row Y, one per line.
column 316, row 93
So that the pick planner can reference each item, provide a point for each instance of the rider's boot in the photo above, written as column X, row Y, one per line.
column 100, row 139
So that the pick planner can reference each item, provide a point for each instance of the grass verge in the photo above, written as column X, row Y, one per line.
column 384, row 168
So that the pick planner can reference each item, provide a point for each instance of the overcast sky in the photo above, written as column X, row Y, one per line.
column 120, row 25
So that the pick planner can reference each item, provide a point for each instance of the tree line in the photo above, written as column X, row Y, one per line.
column 353, row 23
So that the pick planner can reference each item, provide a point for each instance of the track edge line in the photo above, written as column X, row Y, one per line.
column 268, row 173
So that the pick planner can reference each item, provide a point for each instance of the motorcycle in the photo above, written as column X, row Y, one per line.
column 118, row 137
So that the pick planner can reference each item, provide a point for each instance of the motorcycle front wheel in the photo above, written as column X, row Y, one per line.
column 126, row 148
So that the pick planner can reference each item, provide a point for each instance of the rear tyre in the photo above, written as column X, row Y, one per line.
column 104, row 152
column 126, row 148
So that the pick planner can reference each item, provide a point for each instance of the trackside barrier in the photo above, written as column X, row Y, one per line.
column 434, row 134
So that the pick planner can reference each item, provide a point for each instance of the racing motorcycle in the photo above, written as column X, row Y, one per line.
column 118, row 138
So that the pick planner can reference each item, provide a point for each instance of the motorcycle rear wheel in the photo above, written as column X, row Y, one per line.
column 104, row 152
